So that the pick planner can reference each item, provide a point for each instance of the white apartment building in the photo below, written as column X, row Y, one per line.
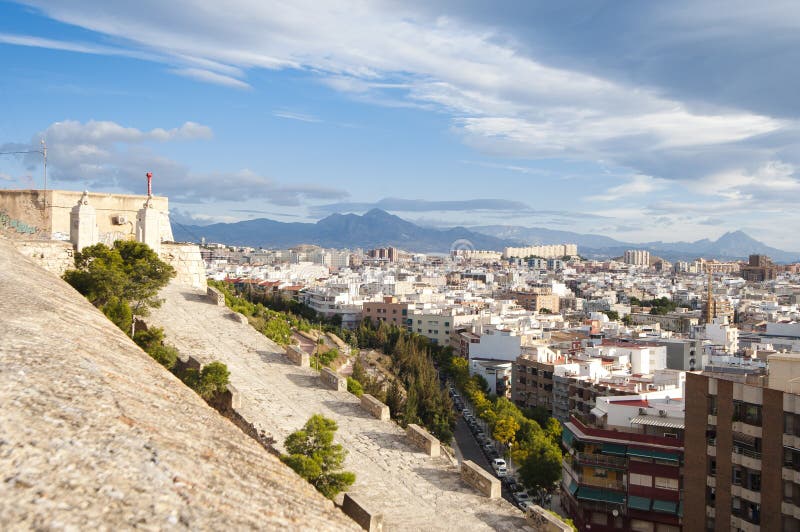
column 437, row 324
column 637, row 257
column 555, row 251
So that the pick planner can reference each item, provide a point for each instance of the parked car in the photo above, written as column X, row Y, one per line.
column 511, row 483
column 499, row 466
column 521, row 496
column 526, row 505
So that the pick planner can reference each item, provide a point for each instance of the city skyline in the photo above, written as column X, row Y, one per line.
column 674, row 122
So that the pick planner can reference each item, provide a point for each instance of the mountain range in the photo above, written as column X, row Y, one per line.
column 378, row 228
column 733, row 245
column 375, row 228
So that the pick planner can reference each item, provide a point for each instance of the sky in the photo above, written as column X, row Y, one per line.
column 641, row 121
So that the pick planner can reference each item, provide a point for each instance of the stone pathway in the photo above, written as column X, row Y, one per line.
column 413, row 491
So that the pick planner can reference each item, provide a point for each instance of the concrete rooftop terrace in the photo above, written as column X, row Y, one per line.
column 411, row 490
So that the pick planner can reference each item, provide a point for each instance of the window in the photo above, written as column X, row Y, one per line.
column 636, row 479
column 447, row 324
column 641, row 526
column 601, row 473
column 754, row 481
column 666, row 483
column 712, row 467
column 737, row 477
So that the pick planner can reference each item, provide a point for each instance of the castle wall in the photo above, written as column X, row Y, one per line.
column 188, row 263
column 52, row 255
column 47, row 213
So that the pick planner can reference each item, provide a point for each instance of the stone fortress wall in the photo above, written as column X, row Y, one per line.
column 42, row 225
column 46, row 213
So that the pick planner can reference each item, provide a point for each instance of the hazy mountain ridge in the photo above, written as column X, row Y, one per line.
column 380, row 228
column 372, row 229
column 731, row 245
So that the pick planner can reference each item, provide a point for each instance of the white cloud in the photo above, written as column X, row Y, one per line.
column 639, row 185
column 291, row 115
column 504, row 100
column 105, row 155
column 211, row 77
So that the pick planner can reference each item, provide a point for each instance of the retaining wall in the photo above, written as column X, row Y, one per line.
column 367, row 519
column 422, row 439
column 333, row 380
column 375, row 407
column 297, row 356
column 480, row 479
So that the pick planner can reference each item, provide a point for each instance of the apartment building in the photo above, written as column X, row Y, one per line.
column 536, row 299
column 546, row 252
column 759, row 268
column 622, row 471
column 532, row 377
column 437, row 324
column 742, row 467
column 390, row 310
column 637, row 257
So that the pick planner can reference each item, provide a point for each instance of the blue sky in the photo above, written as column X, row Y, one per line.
column 641, row 121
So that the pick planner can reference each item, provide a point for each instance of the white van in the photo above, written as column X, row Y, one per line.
column 499, row 466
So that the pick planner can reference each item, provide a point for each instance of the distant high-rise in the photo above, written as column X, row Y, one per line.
column 759, row 268
column 637, row 257
column 555, row 251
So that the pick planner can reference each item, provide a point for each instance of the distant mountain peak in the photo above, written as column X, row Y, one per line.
column 378, row 213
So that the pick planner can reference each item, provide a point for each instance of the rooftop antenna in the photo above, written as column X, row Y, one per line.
column 149, row 184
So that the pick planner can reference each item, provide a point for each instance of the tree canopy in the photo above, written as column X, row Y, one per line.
column 128, row 274
column 313, row 455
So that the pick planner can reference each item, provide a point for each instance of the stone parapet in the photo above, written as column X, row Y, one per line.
column 55, row 256
column 215, row 296
column 480, row 479
column 297, row 356
column 375, row 407
column 422, row 439
column 333, row 380
column 189, row 265
column 365, row 517
column 541, row 519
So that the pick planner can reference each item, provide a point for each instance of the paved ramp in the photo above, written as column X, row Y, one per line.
column 413, row 491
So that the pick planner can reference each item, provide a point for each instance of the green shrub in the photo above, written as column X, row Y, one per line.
column 354, row 387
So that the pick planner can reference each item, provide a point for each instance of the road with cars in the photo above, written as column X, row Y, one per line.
column 476, row 445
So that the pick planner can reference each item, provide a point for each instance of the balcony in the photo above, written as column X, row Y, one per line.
column 788, row 508
column 601, row 483
column 746, row 494
column 602, row 460
column 746, row 457
column 750, row 429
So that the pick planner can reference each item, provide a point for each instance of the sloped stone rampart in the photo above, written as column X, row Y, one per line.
column 97, row 435
column 411, row 490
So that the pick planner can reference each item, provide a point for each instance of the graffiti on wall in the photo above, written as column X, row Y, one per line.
column 17, row 225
